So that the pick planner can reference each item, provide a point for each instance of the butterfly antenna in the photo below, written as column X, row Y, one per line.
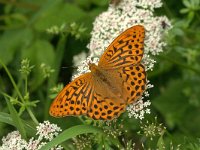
column 74, row 67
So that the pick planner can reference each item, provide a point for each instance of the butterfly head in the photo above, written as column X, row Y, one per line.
column 92, row 67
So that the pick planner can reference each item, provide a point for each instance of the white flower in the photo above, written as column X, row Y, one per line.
column 139, row 108
column 83, row 68
column 33, row 144
column 149, row 3
column 79, row 58
column 45, row 131
column 13, row 141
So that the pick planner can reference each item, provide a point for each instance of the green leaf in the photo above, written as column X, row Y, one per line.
column 184, row 10
column 56, row 13
column 190, row 123
column 172, row 103
column 6, row 118
column 191, row 15
column 13, row 40
column 160, row 143
column 41, row 51
column 187, row 3
column 71, row 133
column 16, row 119
column 195, row 4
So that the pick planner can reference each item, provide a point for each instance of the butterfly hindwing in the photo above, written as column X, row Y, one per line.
column 104, row 108
column 125, row 50
column 134, row 82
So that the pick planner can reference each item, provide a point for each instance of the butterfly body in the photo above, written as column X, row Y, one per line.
column 119, row 79
column 105, row 79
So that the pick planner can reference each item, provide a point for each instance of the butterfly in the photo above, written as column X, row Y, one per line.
column 118, row 80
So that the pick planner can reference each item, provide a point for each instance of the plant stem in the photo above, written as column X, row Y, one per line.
column 26, row 85
column 18, row 92
column 32, row 115
column 12, row 81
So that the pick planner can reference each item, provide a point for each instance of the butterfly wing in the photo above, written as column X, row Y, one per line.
column 105, row 104
column 124, row 55
column 81, row 97
column 133, row 82
column 104, row 108
column 125, row 50
column 74, row 98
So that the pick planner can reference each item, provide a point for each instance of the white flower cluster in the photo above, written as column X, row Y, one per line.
column 13, row 141
column 83, row 68
column 139, row 108
column 122, row 16
column 45, row 131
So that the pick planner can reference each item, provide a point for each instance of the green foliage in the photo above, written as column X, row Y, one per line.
column 45, row 35
column 71, row 133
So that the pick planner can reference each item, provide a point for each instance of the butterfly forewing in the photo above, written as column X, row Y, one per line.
column 74, row 98
column 125, row 50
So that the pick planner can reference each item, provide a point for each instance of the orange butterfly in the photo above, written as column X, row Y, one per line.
column 117, row 81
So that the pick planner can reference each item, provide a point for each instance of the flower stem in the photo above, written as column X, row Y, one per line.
column 18, row 92
column 32, row 115
column 26, row 85
column 13, row 82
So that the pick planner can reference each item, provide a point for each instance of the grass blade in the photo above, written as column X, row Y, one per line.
column 16, row 119
column 70, row 133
